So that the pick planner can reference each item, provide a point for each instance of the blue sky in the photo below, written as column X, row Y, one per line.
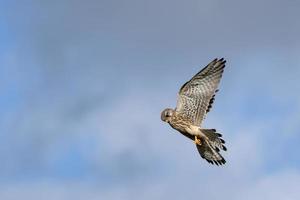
column 83, row 83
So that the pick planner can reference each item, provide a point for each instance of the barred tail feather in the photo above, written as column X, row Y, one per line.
column 215, row 139
column 209, row 149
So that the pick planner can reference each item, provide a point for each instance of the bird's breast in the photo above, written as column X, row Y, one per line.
column 193, row 130
column 184, row 126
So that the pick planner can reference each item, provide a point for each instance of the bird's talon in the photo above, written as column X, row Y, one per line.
column 197, row 141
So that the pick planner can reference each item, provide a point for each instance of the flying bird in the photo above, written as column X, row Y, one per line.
column 194, row 101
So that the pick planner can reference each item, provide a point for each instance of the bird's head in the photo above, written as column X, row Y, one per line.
column 166, row 114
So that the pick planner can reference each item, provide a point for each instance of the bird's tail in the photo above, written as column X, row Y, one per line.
column 209, row 149
column 215, row 139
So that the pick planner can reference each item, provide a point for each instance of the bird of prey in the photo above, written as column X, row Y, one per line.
column 195, row 100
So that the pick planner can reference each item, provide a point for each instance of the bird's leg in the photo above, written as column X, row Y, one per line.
column 197, row 141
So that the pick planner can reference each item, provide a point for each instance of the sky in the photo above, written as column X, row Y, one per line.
column 82, row 85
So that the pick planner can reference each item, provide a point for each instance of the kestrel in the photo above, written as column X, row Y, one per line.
column 195, row 99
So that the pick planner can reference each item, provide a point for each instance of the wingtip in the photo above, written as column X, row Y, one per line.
column 223, row 60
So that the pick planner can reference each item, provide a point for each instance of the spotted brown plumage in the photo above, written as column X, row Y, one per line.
column 195, row 100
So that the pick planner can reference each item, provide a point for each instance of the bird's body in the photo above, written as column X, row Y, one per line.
column 184, row 125
column 195, row 100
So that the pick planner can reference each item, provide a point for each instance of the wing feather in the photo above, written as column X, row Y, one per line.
column 197, row 95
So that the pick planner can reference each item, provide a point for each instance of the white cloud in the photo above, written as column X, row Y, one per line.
column 282, row 184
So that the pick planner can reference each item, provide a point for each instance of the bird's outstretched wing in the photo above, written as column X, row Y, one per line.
column 197, row 95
